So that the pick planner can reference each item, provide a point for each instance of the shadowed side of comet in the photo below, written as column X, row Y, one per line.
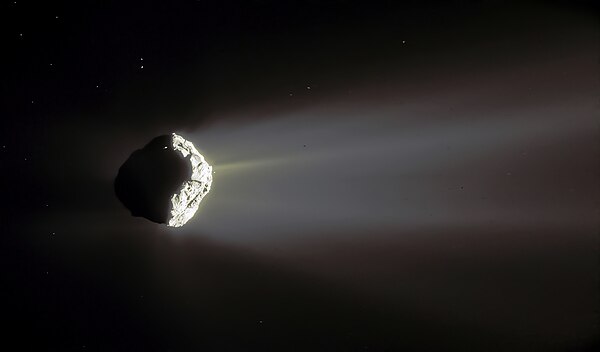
column 150, row 176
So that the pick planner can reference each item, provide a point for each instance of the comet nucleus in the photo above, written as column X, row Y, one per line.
column 165, row 181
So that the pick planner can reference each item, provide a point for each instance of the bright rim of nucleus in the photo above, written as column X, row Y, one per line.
column 185, row 203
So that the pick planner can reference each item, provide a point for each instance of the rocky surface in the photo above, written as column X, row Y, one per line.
column 165, row 181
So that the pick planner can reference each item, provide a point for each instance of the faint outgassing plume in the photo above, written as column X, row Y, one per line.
column 351, row 167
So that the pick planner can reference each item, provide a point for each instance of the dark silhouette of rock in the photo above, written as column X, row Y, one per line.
column 149, row 177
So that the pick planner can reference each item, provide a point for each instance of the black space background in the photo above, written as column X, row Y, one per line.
column 85, row 285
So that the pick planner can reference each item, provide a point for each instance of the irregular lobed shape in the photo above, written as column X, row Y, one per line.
column 184, row 204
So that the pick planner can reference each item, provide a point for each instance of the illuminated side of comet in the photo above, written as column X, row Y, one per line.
column 184, row 203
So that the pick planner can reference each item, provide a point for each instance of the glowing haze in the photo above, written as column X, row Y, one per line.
column 431, row 160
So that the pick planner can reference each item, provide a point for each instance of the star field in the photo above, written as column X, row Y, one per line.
column 388, row 175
